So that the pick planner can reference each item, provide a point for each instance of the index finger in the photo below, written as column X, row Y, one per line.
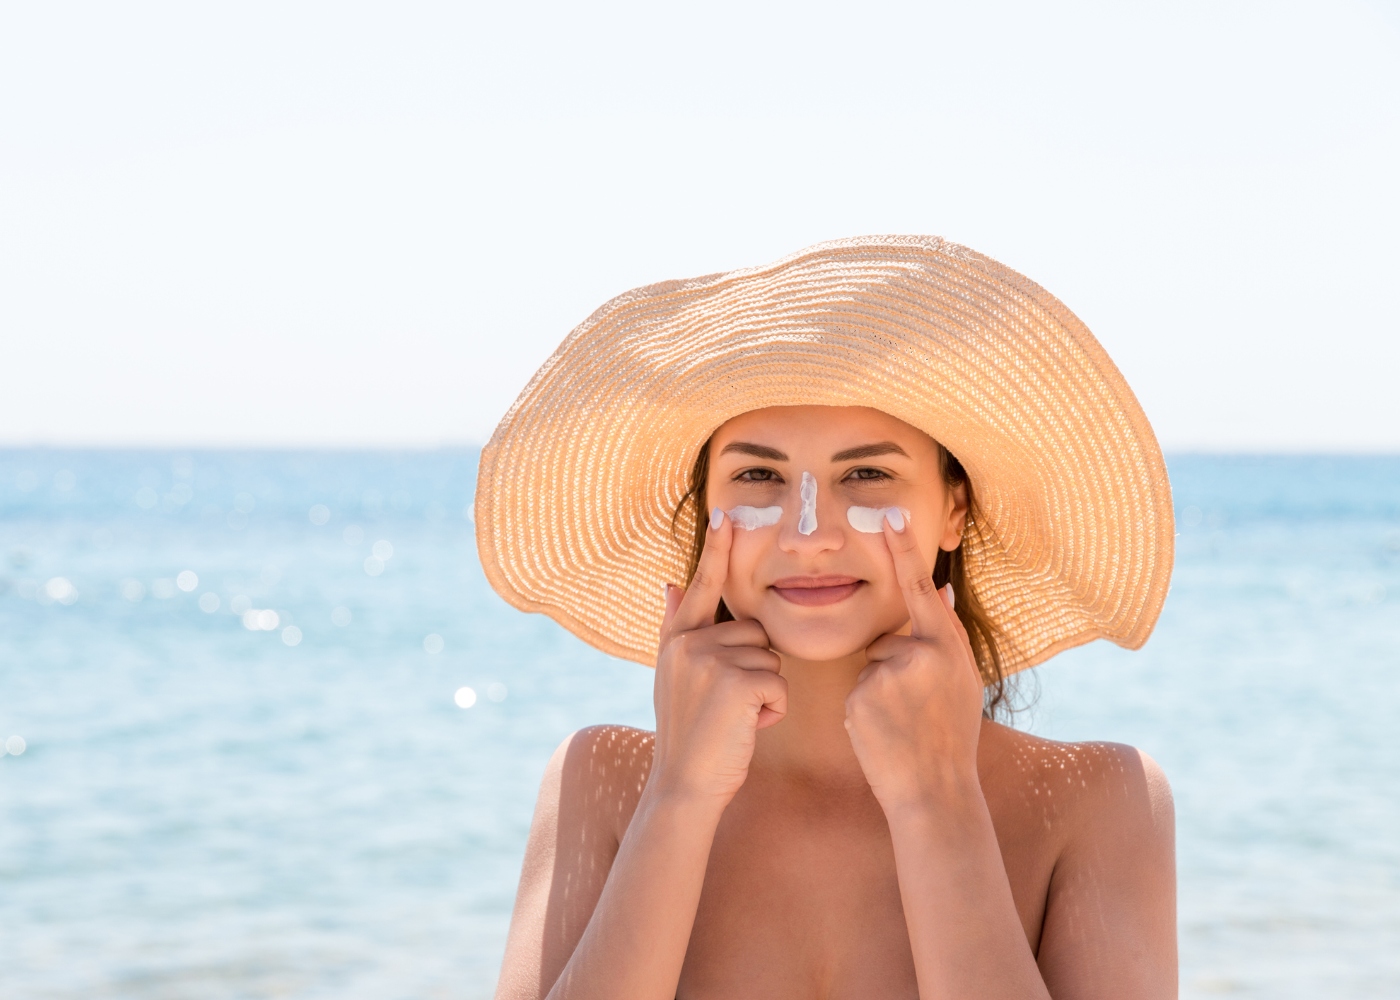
column 915, row 578
column 701, row 599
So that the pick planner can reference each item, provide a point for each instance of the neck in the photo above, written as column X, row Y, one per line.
column 810, row 744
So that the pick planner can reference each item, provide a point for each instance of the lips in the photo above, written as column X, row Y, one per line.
column 816, row 591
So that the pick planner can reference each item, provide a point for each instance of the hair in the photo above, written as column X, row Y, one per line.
column 949, row 567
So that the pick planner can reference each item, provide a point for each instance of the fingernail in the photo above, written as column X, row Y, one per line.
column 896, row 518
column 948, row 595
column 716, row 519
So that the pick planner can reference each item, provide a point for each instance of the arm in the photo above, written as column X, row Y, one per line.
column 915, row 721
column 964, row 930
column 1110, row 921
column 636, row 941
column 621, row 913
column 529, row 948
column 573, row 841
column 599, row 919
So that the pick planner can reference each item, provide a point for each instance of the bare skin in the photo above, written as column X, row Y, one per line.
column 823, row 811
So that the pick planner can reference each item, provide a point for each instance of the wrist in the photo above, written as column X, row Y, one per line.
column 940, row 795
column 663, row 796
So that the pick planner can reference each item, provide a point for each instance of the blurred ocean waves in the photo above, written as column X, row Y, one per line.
column 269, row 732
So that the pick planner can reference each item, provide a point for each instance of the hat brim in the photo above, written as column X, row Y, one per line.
column 578, row 485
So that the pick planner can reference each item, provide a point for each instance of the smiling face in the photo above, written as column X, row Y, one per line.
column 830, row 591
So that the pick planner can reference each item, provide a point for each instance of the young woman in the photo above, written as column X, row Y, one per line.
column 889, row 472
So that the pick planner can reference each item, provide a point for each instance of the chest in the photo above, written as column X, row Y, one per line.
column 801, row 899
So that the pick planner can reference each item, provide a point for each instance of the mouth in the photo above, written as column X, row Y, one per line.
column 816, row 591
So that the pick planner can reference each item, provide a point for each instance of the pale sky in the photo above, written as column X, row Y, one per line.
column 351, row 224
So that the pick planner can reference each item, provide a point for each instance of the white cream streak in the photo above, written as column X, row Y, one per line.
column 807, row 523
column 753, row 518
column 871, row 520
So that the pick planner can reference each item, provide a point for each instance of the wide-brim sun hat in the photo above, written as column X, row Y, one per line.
column 578, row 485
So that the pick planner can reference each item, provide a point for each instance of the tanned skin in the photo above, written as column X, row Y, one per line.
column 822, row 810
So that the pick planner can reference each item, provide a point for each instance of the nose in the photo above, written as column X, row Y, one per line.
column 825, row 537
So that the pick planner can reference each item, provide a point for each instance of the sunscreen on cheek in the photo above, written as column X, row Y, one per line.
column 807, row 523
column 753, row 518
column 871, row 520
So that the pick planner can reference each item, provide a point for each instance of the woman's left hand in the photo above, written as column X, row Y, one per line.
column 916, row 710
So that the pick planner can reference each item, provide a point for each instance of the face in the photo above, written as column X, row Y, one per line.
column 820, row 587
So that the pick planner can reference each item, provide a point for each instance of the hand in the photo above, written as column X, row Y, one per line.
column 916, row 710
column 716, row 685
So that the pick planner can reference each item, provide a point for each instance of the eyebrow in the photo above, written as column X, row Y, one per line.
column 869, row 451
column 756, row 450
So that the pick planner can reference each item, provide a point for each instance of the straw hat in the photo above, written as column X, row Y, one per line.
column 577, row 486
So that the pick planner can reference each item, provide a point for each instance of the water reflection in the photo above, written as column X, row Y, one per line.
column 261, row 620
column 61, row 589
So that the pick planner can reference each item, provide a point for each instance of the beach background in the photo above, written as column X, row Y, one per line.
column 269, row 275
column 215, row 804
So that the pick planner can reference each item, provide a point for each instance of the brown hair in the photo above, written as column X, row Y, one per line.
column 950, row 567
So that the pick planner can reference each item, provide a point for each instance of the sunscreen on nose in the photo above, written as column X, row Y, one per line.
column 753, row 518
column 807, row 522
column 871, row 520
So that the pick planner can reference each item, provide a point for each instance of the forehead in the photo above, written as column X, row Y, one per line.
column 822, row 429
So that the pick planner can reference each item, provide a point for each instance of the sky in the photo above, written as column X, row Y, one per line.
column 351, row 225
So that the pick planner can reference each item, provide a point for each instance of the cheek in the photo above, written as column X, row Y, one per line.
column 878, row 569
column 927, row 522
column 746, row 555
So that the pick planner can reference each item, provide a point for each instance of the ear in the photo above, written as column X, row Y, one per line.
column 956, row 521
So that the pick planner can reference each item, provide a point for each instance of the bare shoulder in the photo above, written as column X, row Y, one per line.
column 1095, row 821
column 587, row 797
column 600, row 772
column 1079, row 790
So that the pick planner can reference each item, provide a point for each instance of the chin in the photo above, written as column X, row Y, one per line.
column 817, row 641
column 804, row 648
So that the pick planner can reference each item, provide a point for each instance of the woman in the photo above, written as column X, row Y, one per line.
column 890, row 472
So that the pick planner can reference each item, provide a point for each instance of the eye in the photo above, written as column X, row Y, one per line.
column 867, row 474
column 758, row 476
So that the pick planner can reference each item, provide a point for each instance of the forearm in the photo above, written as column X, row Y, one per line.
column 636, row 940
column 965, row 932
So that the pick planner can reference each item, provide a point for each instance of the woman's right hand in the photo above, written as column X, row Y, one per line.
column 716, row 685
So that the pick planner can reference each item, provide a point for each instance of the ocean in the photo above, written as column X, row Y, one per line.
column 268, row 732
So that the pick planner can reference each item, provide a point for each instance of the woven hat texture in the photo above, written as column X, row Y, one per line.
column 578, row 485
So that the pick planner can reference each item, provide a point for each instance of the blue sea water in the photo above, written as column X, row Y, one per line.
column 210, row 805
